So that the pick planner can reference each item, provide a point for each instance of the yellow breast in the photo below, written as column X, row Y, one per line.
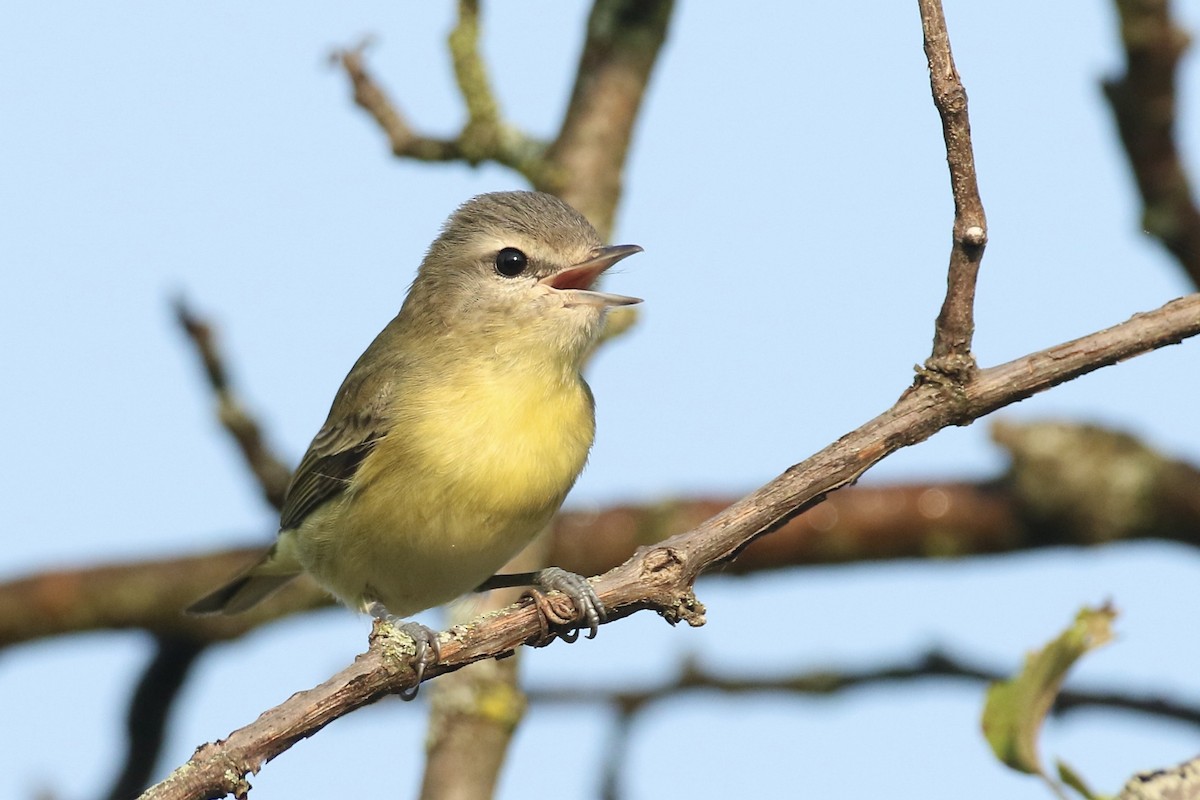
column 510, row 443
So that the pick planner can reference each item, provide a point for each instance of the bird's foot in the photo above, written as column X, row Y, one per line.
column 427, row 650
column 588, row 611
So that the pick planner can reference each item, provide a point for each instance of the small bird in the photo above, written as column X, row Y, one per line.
column 459, row 431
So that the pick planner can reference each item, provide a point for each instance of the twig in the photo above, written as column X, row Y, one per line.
column 660, row 578
column 484, row 137
column 269, row 471
column 1144, row 104
column 372, row 98
column 956, row 322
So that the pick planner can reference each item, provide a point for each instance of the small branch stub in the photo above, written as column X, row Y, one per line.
column 974, row 236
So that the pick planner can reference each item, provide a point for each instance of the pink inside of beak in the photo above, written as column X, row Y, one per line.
column 576, row 278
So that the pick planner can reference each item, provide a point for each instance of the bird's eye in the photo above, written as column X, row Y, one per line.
column 511, row 262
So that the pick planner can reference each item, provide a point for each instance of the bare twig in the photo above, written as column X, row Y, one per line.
column 484, row 137
column 372, row 98
column 661, row 577
column 1144, row 104
column 269, row 471
column 956, row 321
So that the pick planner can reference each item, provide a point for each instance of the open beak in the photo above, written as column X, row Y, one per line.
column 579, row 279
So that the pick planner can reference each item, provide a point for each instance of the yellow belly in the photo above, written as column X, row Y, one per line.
column 475, row 470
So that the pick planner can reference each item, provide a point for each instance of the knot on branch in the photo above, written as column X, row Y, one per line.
column 974, row 237
column 949, row 374
column 662, row 564
column 675, row 601
column 687, row 608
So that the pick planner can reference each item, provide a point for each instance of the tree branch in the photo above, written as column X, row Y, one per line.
column 956, row 322
column 660, row 578
column 484, row 137
column 624, row 38
column 1144, row 105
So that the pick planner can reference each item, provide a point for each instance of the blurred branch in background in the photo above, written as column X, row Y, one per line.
column 692, row 678
column 1145, row 106
column 270, row 472
column 149, row 712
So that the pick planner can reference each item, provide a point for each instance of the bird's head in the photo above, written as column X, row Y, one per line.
column 515, row 271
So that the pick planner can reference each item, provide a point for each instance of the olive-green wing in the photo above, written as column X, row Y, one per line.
column 333, row 457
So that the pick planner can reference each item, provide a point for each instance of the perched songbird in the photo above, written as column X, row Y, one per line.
column 458, row 433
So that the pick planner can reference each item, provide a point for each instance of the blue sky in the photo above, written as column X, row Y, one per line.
column 788, row 183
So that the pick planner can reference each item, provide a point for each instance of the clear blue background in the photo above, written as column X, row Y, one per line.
column 788, row 182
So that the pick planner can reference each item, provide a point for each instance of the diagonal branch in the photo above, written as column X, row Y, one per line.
column 956, row 321
column 660, row 577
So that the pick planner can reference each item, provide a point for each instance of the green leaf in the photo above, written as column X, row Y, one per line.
column 1071, row 778
column 1016, row 708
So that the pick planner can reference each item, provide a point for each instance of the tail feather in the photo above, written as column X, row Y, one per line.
column 240, row 594
column 253, row 586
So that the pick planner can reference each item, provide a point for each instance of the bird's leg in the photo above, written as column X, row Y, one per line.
column 589, row 611
column 427, row 650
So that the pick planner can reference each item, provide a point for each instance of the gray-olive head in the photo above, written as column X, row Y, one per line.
column 517, row 264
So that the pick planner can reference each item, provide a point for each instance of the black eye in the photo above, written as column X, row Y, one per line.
column 511, row 262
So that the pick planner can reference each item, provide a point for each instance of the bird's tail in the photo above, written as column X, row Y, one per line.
column 250, row 588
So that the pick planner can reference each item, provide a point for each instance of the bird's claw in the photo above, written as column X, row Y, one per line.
column 587, row 612
column 427, row 650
